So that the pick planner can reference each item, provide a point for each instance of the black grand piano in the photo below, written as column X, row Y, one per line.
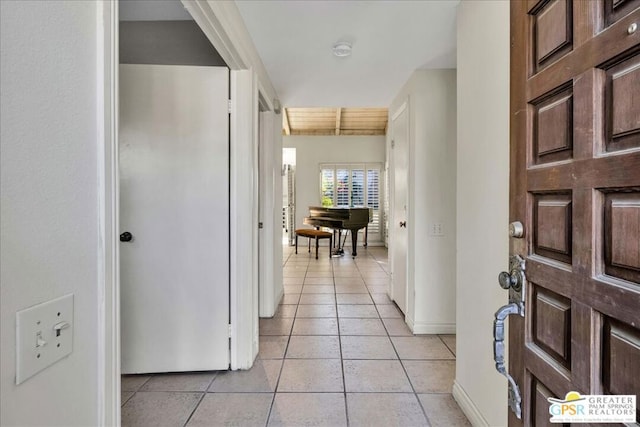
column 339, row 219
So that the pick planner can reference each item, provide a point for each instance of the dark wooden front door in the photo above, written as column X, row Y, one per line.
column 575, row 185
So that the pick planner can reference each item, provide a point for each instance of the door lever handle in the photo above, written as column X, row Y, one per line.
column 126, row 237
column 515, row 399
column 515, row 281
column 498, row 333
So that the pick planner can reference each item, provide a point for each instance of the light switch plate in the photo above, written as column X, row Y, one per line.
column 39, row 345
column 437, row 229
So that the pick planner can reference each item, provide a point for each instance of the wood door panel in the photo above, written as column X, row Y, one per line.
column 616, row 9
column 575, row 184
column 552, row 226
column 622, row 236
column 621, row 356
column 552, row 324
column 610, row 43
column 553, row 125
column 552, row 31
column 534, row 4
column 623, row 102
column 540, row 404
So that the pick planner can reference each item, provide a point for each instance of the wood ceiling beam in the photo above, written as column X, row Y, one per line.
column 285, row 122
column 338, row 120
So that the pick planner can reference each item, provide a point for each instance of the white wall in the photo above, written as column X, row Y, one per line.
column 313, row 150
column 432, row 186
column 165, row 43
column 49, row 218
column 483, row 203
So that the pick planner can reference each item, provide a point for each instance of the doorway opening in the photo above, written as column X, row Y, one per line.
column 288, row 195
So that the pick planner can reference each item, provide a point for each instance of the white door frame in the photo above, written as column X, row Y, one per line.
column 220, row 21
column 244, row 222
column 270, row 173
column 108, row 252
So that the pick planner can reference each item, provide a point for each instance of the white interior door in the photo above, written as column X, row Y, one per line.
column 174, row 200
column 400, row 156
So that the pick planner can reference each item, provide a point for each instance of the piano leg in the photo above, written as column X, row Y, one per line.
column 354, row 242
column 344, row 241
column 366, row 236
column 340, row 249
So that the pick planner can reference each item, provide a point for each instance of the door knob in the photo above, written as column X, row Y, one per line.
column 403, row 224
column 126, row 237
column 506, row 280
column 514, row 279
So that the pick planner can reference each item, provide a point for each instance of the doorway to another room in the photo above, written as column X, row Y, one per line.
column 288, row 196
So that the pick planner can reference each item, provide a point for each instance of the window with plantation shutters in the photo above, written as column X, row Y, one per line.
column 342, row 187
column 354, row 185
column 327, row 186
column 357, row 187
column 373, row 199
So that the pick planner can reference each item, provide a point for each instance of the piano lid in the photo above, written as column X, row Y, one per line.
column 358, row 214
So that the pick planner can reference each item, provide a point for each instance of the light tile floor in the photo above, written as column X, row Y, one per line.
column 336, row 353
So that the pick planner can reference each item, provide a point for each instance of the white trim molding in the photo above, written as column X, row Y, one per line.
column 108, row 183
column 400, row 109
column 432, row 328
column 243, row 219
column 468, row 407
column 223, row 25
column 268, row 215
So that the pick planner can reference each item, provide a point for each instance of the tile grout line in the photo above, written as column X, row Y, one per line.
column 284, row 355
column 194, row 409
column 344, row 381
column 447, row 345
column 415, row 395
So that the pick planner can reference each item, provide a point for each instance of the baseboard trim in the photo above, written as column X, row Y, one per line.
column 468, row 407
column 432, row 328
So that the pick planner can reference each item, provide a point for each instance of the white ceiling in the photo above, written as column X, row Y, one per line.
column 390, row 40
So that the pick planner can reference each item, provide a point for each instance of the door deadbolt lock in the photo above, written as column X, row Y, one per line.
column 403, row 224
column 126, row 237
column 516, row 229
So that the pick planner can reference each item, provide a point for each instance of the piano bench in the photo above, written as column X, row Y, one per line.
column 314, row 234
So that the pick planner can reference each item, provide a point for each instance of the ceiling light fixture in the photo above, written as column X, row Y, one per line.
column 342, row 49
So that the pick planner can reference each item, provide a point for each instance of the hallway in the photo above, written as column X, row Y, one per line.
column 336, row 353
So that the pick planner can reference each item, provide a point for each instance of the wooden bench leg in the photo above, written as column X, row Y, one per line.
column 296, row 244
column 317, row 247
column 309, row 244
